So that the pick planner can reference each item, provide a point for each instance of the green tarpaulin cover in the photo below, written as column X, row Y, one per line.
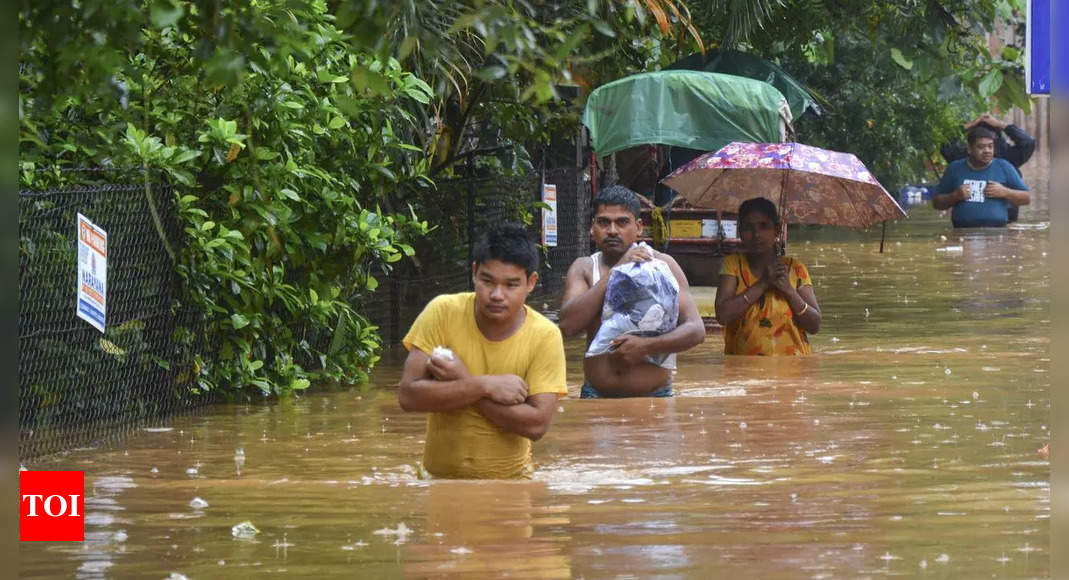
column 744, row 64
column 681, row 108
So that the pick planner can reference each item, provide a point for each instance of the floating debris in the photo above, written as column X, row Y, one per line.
column 943, row 559
column 460, row 550
column 119, row 536
column 198, row 503
column 192, row 471
column 244, row 530
column 401, row 531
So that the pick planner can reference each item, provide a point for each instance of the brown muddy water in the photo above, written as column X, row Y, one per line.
column 907, row 446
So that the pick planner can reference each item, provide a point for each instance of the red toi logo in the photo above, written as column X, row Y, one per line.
column 52, row 506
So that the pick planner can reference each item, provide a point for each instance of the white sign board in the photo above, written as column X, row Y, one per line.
column 709, row 228
column 92, row 273
column 549, row 216
column 729, row 227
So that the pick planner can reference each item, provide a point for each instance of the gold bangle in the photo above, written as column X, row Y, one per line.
column 804, row 308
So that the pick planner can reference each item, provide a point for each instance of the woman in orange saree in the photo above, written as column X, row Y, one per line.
column 765, row 302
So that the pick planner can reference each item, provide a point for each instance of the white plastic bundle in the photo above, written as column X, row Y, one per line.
column 443, row 353
column 642, row 298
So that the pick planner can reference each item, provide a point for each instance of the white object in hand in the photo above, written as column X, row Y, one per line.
column 976, row 190
column 443, row 353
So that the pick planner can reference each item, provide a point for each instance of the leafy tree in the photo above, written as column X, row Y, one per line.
column 279, row 159
column 897, row 78
column 303, row 135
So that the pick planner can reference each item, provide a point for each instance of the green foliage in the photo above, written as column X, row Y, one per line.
column 302, row 136
column 897, row 79
column 282, row 159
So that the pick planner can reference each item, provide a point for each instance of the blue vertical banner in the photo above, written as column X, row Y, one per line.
column 1059, row 47
column 1038, row 48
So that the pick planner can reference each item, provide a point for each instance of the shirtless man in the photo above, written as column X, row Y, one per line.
column 627, row 370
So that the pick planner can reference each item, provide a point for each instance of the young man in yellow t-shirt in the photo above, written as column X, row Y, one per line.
column 499, row 390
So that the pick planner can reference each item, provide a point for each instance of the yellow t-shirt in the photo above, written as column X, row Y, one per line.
column 767, row 327
column 462, row 443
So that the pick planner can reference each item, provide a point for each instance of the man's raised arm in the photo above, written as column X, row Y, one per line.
column 581, row 304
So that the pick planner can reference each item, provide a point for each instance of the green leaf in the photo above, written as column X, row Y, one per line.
column 325, row 76
column 164, row 13
column 186, row 155
column 366, row 79
column 603, row 28
column 492, row 73
column 900, row 59
column 299, row 384
column 290, row 194
column 239, row 320
column 991, row 83
column 337, row 123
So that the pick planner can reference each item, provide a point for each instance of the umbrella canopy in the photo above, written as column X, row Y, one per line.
column 683, row 108
column 810, row 185
column 744, row 64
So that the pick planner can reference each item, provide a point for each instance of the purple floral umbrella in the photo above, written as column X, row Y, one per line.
column 809, row 185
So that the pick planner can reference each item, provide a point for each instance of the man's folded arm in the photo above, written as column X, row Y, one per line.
column 530, row 419
column 419, row 391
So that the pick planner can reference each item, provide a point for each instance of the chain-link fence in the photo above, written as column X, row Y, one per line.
column 472, row 205
column 77, row 385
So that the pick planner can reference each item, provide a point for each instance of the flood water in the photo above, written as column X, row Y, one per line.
column 907, row 446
